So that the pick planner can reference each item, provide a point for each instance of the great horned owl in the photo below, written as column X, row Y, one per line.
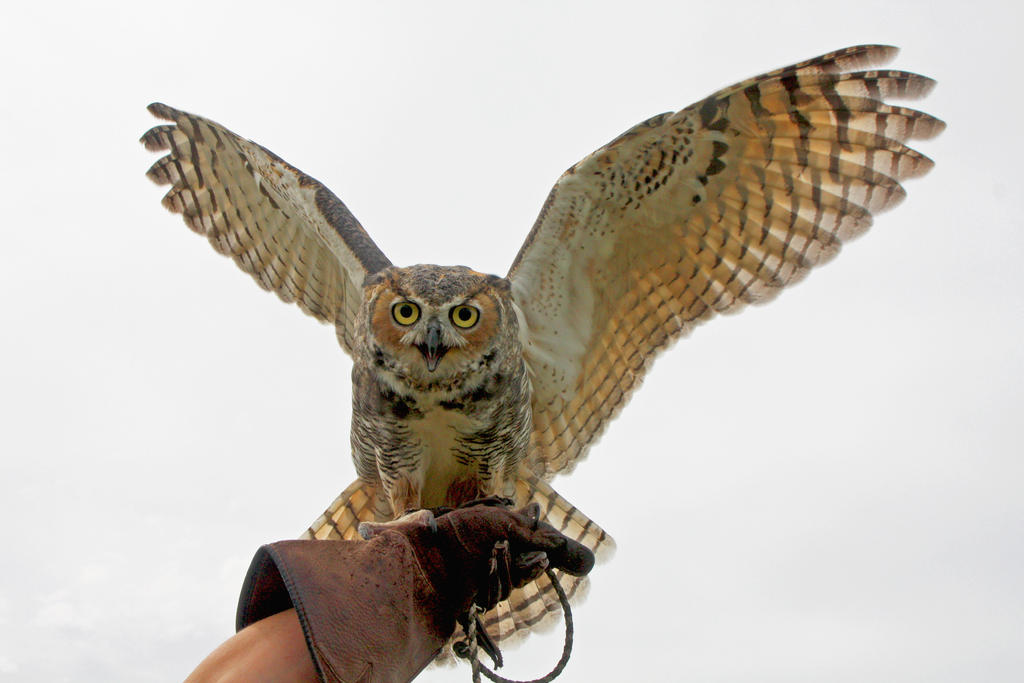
column 469, row 384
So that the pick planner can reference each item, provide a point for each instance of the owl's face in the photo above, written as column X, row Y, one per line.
column 429, row 323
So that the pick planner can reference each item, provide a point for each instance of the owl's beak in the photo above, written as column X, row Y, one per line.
column 433, row 350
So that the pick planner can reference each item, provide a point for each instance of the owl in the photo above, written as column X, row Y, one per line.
column 467, row 384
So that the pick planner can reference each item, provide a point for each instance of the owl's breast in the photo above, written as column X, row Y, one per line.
column 465, row 441
column 439, row 438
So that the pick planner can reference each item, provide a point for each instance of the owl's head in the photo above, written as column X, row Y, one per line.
column 430, row 322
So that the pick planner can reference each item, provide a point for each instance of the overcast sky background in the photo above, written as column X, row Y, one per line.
column 843, row 498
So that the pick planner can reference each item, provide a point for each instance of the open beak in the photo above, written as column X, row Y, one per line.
column 433, row 350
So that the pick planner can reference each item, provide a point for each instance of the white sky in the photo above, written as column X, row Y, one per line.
column 843, row 472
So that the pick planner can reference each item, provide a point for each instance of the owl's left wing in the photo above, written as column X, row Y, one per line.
column 282, row 227
column 698, row 212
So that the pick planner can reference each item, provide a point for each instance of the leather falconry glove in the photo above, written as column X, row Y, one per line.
column 380, row 610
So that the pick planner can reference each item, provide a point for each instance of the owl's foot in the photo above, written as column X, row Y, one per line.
column 418, row 517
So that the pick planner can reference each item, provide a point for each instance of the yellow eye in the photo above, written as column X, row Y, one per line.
column 464, row 316
column 405, row 312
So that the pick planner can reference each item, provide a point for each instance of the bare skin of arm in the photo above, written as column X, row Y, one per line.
column 272, row 649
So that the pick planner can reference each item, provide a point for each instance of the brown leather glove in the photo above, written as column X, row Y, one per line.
column 378, row 611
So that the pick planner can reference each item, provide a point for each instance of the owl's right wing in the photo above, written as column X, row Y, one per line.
column 284, row 228
column 700, row 212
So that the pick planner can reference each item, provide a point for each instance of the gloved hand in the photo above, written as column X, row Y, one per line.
column 517, row 548
column 488, row 545
column 380, row 610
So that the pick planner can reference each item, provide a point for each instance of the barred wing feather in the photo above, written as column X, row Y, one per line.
column 285, row 229
column 698, row 212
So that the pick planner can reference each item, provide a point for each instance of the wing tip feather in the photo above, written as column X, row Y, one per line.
column 162, row 111
column 158, row 171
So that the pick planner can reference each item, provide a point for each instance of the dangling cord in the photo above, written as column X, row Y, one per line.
column 566, row 648
column 474, row 661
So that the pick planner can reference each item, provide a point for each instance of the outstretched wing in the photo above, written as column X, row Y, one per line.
column 279, row 225
column 699, row 212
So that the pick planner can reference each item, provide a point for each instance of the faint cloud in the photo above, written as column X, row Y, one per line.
column 59, row 612
column 94, row 572
column 7, row 665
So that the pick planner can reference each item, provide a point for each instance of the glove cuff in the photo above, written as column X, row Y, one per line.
column 367, row 609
